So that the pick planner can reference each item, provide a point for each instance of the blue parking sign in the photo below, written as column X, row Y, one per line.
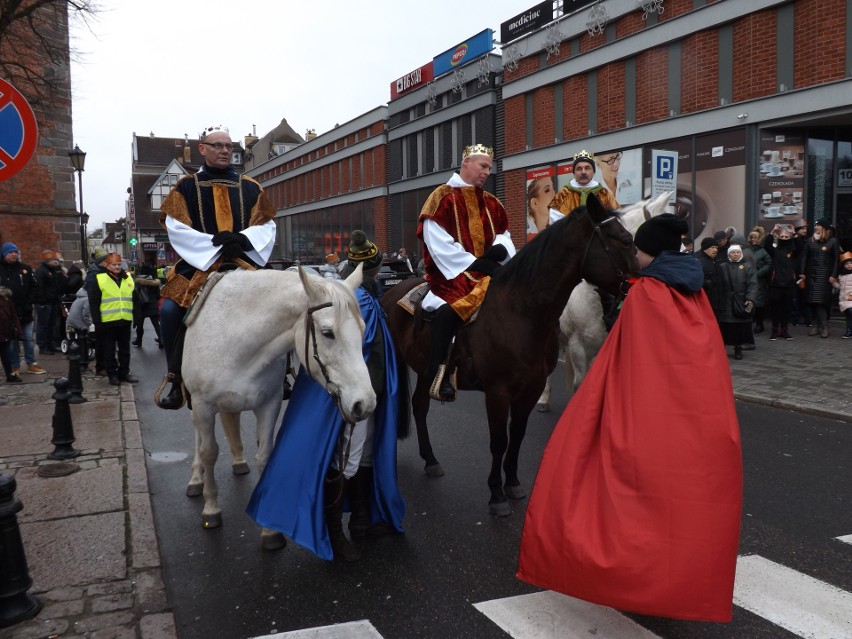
column 663, row 173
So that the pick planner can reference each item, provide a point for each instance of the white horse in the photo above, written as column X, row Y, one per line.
column 582, row 330
column 235, row 357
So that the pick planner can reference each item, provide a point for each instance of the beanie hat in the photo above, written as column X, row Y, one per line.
column 100, row 255
column 363, row 251
column 707, row 242
column 734, row 247
column 660, row 233
column 824, row 222
column 7, row 248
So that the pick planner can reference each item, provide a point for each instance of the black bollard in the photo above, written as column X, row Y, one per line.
column 63, row 428
column 16, row 604
column 75, row 378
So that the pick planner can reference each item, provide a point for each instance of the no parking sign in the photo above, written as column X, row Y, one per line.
column 18, row 131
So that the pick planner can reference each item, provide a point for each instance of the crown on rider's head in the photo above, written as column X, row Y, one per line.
column 477, row 149
column 585, row 156
column 212, row 129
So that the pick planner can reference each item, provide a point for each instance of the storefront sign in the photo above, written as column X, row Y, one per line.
column 663, row 173
column 526, row 22
column 844, row 178
column 468, row 51
column 410, row 81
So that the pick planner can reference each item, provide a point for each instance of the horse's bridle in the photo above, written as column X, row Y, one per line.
column 597, row 233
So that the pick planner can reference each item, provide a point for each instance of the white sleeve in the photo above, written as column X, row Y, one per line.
column 193, row 246
column 449, row 256
column 262, row 240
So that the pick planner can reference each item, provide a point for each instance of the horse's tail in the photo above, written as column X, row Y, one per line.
column 403, row 427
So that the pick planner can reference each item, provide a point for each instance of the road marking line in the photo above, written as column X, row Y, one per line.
column 801, row 604
column 846, row 539
column 551, row 615
column 352, row 630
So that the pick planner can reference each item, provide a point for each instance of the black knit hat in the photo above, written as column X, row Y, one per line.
column 660, row 233
column 363, row 251
column 707, row 242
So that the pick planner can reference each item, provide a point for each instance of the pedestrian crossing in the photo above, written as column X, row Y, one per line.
column 802, row 605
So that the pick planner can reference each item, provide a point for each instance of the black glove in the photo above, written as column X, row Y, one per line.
column 232, row 249
column 497, row 253
column 223, row 236
column 484, row 266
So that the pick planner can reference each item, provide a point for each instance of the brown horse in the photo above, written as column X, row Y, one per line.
column 511, row 348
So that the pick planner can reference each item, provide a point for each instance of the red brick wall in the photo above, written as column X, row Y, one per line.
column 38, row 206
column 629, row 24
column 820, row 30
column 515, row 203
column 699, row 80
column 672, row 9
column 514, row 118
column 575, row 120
column 612, row 113
column 652, row 85
column 754, row 55
column 380, row 220
column 543, row 128
column 357, row 180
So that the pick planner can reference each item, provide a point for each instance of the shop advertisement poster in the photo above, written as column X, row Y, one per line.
column 540, row 193
column 781, row 182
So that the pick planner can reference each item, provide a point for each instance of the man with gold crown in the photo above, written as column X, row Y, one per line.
column 465, row 235
column 575, row 193
column 214, row 218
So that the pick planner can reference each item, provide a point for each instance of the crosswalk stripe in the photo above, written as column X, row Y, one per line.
column 846, row 539
column 548, row 615
column 801, row 604
column 352, row 630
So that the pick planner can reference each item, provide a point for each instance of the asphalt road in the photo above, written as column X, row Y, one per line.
column 453, row 555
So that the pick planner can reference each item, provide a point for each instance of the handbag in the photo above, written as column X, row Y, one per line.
column 142, row 295
column 738, row 306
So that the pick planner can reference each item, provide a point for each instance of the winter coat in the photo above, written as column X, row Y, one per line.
column 50, row 284
column 740, row 279
column 712, row 284
column 80, row 315
column 785, row 260
column 10, row 325
column 146, row 297
column 845, row 282
column 819, row 262
column 19, row 277
column 74, row 280
column 763, row 264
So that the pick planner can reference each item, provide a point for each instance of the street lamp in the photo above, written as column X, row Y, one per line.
column 78, row 161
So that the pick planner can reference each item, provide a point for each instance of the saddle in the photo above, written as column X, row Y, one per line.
column 413, row 300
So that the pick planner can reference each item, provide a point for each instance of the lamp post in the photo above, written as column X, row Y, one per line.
column 78, row 161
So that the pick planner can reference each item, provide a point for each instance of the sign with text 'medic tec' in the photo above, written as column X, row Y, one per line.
column 410, row 81
column 467, row 51
column 18, row 131
column 526, row 22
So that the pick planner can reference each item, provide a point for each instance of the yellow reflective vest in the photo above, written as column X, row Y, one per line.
column 116, row 301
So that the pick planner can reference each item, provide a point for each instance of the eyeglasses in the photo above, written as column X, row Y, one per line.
column 613, row 158
column 218, row 146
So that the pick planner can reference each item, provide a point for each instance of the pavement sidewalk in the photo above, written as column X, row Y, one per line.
column 89, row 537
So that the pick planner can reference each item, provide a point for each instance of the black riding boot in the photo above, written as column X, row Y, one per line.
column 174, row 400
column 358, row 491
column 335, row 485
column 444, row 325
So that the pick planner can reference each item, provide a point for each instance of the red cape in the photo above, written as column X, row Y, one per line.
column 638, row 498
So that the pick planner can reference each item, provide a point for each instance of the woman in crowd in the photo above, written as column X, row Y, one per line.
column 819, row 266
column 784, row 252
column 739, row 290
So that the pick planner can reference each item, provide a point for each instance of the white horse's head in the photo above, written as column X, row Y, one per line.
column 633, row 215
column 329, row 343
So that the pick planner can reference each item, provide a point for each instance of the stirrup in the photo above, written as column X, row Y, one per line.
column 176, row 383
column 435, row 388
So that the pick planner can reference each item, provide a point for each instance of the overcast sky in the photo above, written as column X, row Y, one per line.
column 177, row 66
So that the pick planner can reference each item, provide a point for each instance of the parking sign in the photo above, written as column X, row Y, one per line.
column 663, row 173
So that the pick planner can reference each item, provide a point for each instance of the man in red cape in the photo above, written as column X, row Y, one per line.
column 638, row 499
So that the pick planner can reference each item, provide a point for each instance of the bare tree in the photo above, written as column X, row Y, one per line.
column 34, row 52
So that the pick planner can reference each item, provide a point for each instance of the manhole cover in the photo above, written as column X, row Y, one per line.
column 168, row 457
column 57, row 470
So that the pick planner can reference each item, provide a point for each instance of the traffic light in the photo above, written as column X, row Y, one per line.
column 133, row 241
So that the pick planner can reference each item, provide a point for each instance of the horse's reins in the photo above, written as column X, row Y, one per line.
column 331, row 387
column 597, row 233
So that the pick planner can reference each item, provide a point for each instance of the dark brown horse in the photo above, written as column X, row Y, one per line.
column 511, row 348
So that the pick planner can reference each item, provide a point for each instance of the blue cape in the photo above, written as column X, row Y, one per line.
column 289, row 497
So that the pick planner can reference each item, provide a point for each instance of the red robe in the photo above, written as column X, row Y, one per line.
column 638, row 498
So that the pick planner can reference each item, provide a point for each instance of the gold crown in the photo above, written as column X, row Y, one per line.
column 477, row 149
column 584, row 155
column 212, row 129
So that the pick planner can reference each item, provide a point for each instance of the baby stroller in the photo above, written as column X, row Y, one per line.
column 84, row 340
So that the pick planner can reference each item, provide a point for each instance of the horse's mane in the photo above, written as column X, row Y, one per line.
column 341, row 297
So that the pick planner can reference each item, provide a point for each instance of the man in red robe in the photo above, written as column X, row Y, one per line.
column 465, row 235
column 638, row 499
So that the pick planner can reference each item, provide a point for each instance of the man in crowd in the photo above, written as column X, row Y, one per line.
column 50, row 287
column 465, row 235
column 20, row 279
column 215, row 220
column 574, row 194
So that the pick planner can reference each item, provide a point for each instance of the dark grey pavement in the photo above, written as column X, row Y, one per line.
column 89, row 536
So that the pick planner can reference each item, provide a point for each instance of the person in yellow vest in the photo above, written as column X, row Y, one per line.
column 111, row 304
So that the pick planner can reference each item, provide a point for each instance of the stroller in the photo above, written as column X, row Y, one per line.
column 84, row 340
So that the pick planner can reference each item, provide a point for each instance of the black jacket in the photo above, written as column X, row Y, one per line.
column 20, row 279
column 50, row 284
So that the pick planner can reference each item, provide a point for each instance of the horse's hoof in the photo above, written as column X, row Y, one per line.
column 435, row 470
column 194, row 490
column 211, row 521
column 514, row 492
column 541, row 407
column 499, row 509
column 240, row 469
column 275, row 541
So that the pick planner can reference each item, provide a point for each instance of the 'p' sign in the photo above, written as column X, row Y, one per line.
column 18, row 131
